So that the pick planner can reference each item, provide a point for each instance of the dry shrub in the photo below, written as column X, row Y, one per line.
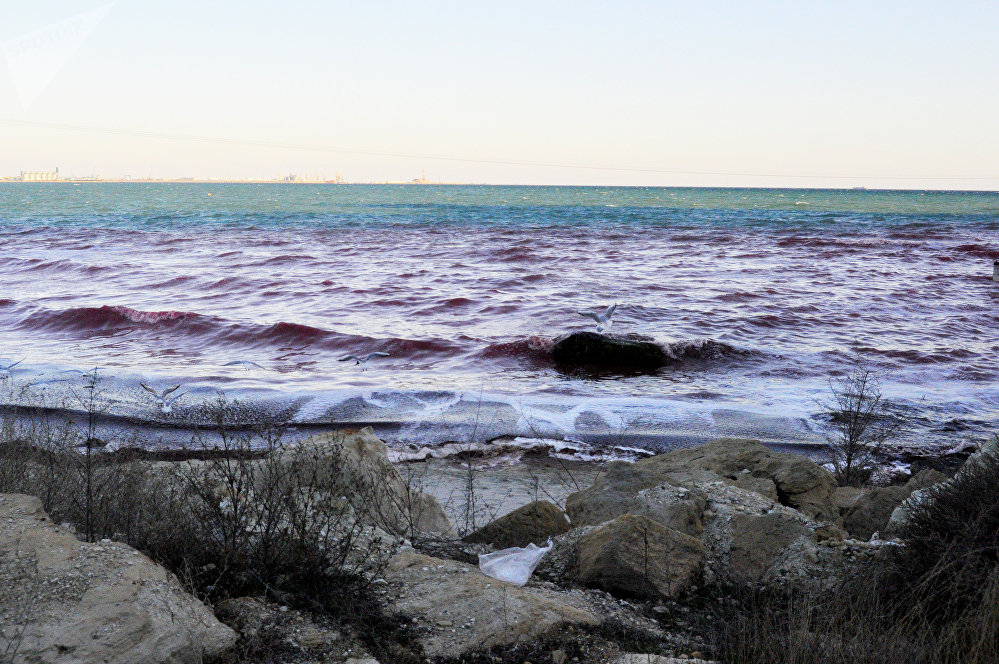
column 248, row 516
column 240, row 523
column 78, row 483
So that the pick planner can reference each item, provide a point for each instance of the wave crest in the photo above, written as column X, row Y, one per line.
column 694, row 350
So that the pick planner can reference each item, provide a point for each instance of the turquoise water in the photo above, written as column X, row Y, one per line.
column 166, row 205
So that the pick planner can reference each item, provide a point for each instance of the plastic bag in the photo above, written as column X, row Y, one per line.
column 514, row 565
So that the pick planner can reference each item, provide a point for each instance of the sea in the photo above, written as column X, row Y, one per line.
column 762, row 299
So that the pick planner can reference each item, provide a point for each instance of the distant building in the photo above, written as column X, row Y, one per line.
column 40, row 176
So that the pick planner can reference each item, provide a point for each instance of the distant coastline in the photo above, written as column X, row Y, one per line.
column 422, row 182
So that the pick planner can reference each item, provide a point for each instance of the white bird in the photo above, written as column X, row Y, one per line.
column 363, row 359
column 246, row 364
column 5, row 370
column 603, row 320
column 165, row 404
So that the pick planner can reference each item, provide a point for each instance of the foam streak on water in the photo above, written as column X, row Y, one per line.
column 757, row 297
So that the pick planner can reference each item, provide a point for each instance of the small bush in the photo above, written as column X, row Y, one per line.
column 861, row 423
column 239, row 523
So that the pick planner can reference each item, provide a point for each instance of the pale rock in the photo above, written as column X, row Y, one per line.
column 81, row 602
column 432, row 591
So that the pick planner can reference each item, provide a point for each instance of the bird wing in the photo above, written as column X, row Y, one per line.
column 169, row 390
column 170, row 401
column 610, row 310
column 375, row 354
column 589, row 314
column 15, row 364
column 150, row 390
column 349, row 357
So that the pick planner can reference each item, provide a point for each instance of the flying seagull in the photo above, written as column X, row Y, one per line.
column 363, row 359
column 246, row 364
column 603, row 320
column 165, row 404
column 5, row 370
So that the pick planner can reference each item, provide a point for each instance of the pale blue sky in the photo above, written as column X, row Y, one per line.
column 885, row 93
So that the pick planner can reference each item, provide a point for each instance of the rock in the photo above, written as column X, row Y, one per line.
column 751, row 538
column 636, row 658
column 589, row 349
column 261, row 624
column 382, row 493
column 636, row 556
column 628, row 488
column 797, row 481
column 871, row 511
column 924, row 483
column 846, row 497
column 761, row 485
column 760, row 540
column 534, row 522
column 484, row 612
column 900, row 516
column 82, row 602
column 830, row 532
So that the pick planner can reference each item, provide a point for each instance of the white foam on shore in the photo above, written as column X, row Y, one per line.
column 511, row 450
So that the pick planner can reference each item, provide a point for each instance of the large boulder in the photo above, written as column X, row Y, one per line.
column 63, row 600
column 456, row 608
column 758, row 541
column 747, row 464
column 633, row 555
column 747, row 538
column 589, row 349
column 359, row 460
column 846, row 497
column 750, row 538
column 535, row 522
column 636, row 488
column 872, row 511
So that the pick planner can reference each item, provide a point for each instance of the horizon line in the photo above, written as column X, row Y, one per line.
column 403, row 183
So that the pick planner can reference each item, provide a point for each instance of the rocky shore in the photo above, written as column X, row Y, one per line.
column 635, row 549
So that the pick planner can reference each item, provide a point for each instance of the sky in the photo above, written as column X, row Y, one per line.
column 712, row 93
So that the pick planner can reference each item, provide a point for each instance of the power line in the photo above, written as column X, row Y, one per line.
column 454, row 158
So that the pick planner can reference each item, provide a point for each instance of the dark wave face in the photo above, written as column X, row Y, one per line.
column 758, row 296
